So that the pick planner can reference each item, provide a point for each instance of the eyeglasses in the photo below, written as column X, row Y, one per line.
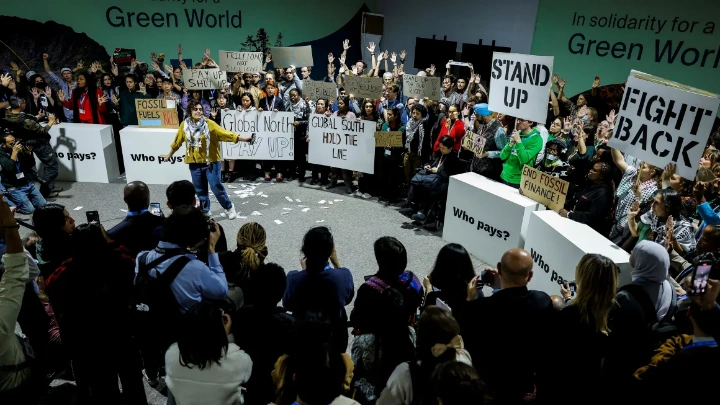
column 198, row 109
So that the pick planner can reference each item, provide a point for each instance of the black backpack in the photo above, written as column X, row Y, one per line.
column 659, row 331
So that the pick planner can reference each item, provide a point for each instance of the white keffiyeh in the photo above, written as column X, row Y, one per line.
column 194, row 131
column 411, row 128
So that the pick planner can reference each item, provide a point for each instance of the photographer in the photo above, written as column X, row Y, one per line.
column 19, row 190
column 26, row 128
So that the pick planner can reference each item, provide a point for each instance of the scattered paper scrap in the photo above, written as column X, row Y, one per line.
column 325, row 208
column 297, row 200
column 77, row 208
column 222, row 214
column 302, row 206
column 338, row 200
column 242, row 217
column 265, row 195
column 287, row 209
column 256, row 213
column 330, row 202
column 288, row 198
column 231, row 187
column 306, row 209
column 279, row 222
column 123, row 210
column 319, row 202
column 284, row 213
column 322, row 220
column 244, row 202
column 263, row 204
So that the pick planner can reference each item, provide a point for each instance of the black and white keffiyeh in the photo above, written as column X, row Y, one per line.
column 411, row 128
column 194, row 131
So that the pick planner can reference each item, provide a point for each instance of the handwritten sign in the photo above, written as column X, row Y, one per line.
column 274, row 133
column 318, row 89
column 544, row 188
column 156, row 113
column 242, row 62
column 204, row 79
column 421, row 87
column 520, row 85
column 473, row 142
column 297, row 56
column 363, row 87
column 392, row 139
column 341, row 143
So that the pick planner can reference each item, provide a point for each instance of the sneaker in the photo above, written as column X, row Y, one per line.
column 279, row 178
column 152, row 381
column 366, row 196
column 267, row 176
column 226, row 177
column 314, row 181
column 207, row 214
column 348, row 190
column 57, row 189
column 358, row 194
column 419, row 217
column 231, row 212
column 406, row 211
column 330, row 185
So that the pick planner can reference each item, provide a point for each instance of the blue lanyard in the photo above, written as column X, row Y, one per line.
column 82, row 99
column 133, row 213
column 267, row 104
column 706, row 343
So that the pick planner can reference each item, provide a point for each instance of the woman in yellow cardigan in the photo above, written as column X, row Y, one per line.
column 202, row 139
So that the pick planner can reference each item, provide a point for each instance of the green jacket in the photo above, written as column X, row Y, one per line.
column 128, row 114
column 519, row 155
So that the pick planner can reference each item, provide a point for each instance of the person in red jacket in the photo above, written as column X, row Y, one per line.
column 452, row 127
column 87, row 102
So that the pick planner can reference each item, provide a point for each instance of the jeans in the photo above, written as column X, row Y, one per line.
column 26, row 198
column 47, row 156
column 202, row 174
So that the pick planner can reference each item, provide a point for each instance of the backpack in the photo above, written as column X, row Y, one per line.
column 659, row 331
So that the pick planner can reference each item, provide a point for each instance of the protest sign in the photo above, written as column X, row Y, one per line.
column 392, row 139
column 241, row 62
column 421, row 87
column 363, row 87
column 297, row 56
column 520, row 85
column 318, row 89
column 123, row 56
column 341, row 143
column 274, row 132
column 547, row 190
column 663, row 122
column 157, row 113
column 204, row 79
column 473, row 142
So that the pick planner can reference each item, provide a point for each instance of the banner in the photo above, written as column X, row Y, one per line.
column 363, row 87
column 319, row 89
column 519, row 85
column 298, row 56
column 473, row 142
column 547, row 190
column 240, row 62
column 274, row 133
column 204, row 79
column 421, row 87
column 157, row 113
column 392, row 139
column 345, row 144
column 663, row 122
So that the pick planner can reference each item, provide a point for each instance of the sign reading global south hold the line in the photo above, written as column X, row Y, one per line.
column 519, row 85
column 273, row 131
column 344, row 144
column 663, row 122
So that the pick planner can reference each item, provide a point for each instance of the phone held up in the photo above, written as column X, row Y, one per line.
column 700, row 277
column 93, row 217
column 155, row 209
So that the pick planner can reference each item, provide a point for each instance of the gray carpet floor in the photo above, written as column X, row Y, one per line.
column 355, row 223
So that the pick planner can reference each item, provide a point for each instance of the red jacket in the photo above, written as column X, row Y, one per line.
column 83, row 108
column 456, row 132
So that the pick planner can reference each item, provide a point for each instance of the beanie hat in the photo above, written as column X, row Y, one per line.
column 482, row 110
column 29, row 74
column 65, row 69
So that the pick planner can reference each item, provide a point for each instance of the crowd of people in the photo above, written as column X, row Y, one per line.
column 137, row 301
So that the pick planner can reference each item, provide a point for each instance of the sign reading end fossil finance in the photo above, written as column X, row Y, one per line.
column 547, row 190
column 204, row 79
column 519, row 85
column 421, row 87
column 273, row 131
column 242, row 62
column 345, row 144
column 363, row 87
column 663, row 122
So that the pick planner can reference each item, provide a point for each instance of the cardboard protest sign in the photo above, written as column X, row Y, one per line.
column 274, row 132
column 520, row 85
column 240, row 62
column 157, row 113
column 297, row 56
column 345, row 144
column 663, row 122
column 473, row 142
column 392, row 139
column 421, row 87
column 123, row 56
column 318, row 89
column 363, row 87
column 204, row 79
column 544, row 188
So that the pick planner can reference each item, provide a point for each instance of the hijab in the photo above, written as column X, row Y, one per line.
column 650, row 270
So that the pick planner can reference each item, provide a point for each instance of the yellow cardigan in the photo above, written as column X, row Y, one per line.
column 197, row 155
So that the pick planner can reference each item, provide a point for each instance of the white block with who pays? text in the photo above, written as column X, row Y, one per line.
column 486, row 217
column 141, row 149
column 85, row 152
column 557, row 244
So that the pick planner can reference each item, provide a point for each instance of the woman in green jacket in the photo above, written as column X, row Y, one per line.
column 131, row 92
column 522, row 149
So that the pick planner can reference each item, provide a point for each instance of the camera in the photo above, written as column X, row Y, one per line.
column 211, row 225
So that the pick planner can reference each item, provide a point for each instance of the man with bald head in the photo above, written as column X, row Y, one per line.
column 507, row 334
column 136, row 231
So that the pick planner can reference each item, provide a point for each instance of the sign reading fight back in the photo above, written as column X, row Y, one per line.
column 519, row 85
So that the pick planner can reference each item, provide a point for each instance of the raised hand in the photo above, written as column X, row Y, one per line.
column 114, row 70
column 153, row 57
column 48, row 91
column 102, row 99
column 381, row 56
column 268, row 58
column 634, row 210
column 342, row 60
column 331, row 58
column 555, row 78
column 142, row 88
column 596, row 82
column 35, row 93
column 5, row 80
column 156, row 67
column 133, row 64
column 567, row 125
column 214, row 112
column 431, row 70
column 180, row 50
column 207, row 53
column 80, row 64
column 402, row 55
column 371, row 47
column 14, row 66
column 91, row 69
column 561, row 83
column 114, row 99
column 393, row 57
column 168, row 68
column 61, row 95
column 610, row 118
column 346, row 44
column 46, row 56
column 52, row 119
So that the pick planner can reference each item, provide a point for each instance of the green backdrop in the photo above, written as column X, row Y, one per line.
column 682, row 43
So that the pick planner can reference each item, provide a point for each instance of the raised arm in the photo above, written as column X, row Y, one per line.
column 619, row 160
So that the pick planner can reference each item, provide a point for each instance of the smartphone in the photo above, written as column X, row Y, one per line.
column 211, row 225
column 197, row 202
column 700, row 279
column 573, row 287
column 252, row 139
column 485, row 279
column 442, row 304
column 155, row 209
column 93, row 217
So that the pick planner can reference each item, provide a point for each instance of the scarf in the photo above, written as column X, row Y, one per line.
column 440, row 348
column 298, row 108
column 411, row 128
column 682, row 229
column 194, row 132
column 651, row 263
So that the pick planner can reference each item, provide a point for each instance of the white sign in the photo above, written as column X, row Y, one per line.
column 240, row 62
column 274, row 132
column 341, row 143
column 519, row 85
column 421, row 87
column 85, row 152
column 318, row 89
column 663, row 122
column 363, row 87
column 141, row 149
column 486, row 217
column 204, row 79
column 557, row 244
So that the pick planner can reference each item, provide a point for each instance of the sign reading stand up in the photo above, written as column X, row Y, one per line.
column 661, row 122
column 519, row 85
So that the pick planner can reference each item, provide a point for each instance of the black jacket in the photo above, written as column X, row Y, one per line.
column 136, row 232
column 593, row 207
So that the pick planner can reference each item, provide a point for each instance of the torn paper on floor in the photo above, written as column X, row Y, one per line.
column 330, row 202
column 263, row 204
column 77, row 208
column 306, row 209
column 288, row 198
column 242, row 217
column 256, row 213
column 297, row 200
column 231, row 187
column 277, row 221
column 123, row 210
column 322, row 220
column 284, row 213
column 321, row 202
column 324, row 207
column 302, row 206
column 287, row 209
column 338, row 200
column 265, row 195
